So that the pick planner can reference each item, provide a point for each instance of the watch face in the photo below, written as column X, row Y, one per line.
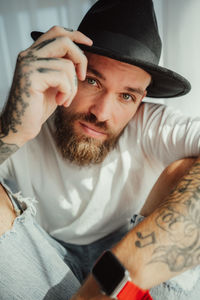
column 109, row 272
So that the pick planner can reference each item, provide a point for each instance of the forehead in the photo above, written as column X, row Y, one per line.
column 115, row 68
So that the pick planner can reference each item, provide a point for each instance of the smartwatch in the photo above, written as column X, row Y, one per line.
column 114, row 280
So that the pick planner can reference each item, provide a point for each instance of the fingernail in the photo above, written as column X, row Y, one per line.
column 90, row 41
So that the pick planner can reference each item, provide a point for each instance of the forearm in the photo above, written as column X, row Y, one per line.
column 10, row 140
column 167, row 242
column 8, row 143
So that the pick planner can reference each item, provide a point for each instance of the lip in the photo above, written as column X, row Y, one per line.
column 92, row 130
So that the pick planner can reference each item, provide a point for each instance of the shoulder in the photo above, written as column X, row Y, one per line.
column 149, row 114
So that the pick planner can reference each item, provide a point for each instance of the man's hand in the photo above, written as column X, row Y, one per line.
column 46, row 76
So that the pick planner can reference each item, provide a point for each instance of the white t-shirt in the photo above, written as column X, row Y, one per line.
column 82, row 204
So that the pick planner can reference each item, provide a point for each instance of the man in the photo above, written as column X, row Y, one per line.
column 93, row 163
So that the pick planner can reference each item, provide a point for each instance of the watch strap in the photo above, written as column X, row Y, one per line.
column 131, row 292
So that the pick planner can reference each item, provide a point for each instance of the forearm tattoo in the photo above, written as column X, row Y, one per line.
column 145, row 240
column 18, row 100
column 179, row 218
column 6, row 150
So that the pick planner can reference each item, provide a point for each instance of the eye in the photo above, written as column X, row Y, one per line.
column 91, row 81
column 128, row 97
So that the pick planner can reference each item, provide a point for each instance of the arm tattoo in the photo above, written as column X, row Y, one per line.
column 179, row 217
column 16, row 106
column 6, row 150
column 145, row 240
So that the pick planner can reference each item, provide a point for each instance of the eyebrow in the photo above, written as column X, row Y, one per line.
column 95, row 72
column 128, row 89
column 135, row 90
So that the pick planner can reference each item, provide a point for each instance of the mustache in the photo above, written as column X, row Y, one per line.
column 90, row 118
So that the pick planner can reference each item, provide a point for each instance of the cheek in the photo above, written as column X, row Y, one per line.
column 80, row 103
column 123, row 117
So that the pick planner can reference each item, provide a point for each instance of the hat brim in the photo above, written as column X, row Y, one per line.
column 165, row 83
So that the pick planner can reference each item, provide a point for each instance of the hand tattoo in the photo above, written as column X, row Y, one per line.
column 46, row 70
column 68, row 29
column 43, row 44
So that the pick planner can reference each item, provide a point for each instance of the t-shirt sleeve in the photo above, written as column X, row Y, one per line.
column 167, row 135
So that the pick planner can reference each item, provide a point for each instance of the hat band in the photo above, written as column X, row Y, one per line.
column 125, row 46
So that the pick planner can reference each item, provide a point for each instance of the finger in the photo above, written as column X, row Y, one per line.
column 73, row 94
column 57, row 31
column 80, row 38
column 47, row 78
column 63, row 47
column 62, row 65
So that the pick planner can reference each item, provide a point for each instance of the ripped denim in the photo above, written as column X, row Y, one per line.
column 32, row 263
column 34, row 266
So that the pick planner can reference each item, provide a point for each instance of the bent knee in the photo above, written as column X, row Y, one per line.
column 7, row 212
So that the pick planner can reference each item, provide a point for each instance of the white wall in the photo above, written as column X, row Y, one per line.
column 181, row 48
column 178, row 20
column 19, row 17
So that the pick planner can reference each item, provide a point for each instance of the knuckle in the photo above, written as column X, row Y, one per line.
column 56, row 29
column 84, row 58
column 70, row 64
column 66, row 40
column 21, row 55
column 79, row 34
column 81, row 55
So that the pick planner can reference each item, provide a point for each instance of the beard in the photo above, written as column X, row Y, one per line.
column 79, row 148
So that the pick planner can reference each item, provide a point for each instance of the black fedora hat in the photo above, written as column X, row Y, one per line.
column 126, row 30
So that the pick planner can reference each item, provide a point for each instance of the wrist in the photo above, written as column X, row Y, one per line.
column 14, row 140
column 114, row 280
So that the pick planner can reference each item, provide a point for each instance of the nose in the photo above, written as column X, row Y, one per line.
column 102, row 107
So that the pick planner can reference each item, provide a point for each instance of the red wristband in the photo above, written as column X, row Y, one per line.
column 131, row 292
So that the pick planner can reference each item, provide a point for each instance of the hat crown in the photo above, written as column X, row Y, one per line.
column 127, row 31
column 133, row 26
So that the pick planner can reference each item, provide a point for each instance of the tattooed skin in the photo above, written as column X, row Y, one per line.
column 18, row 98
column 6, row 150
column 145, row 240
column 46, row 70
column 68, row 29
column 44, row 44
column 179, row 217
